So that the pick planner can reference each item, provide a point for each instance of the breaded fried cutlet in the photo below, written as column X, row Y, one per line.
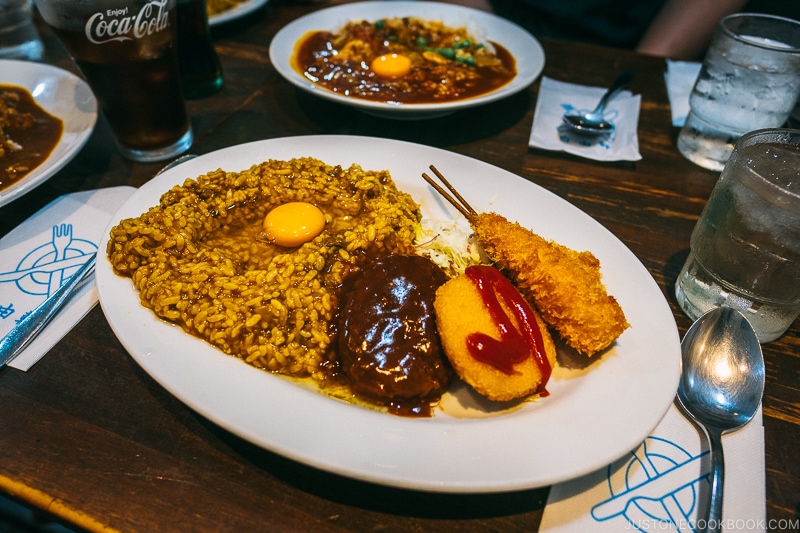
column 461, row 312
column 565, row 286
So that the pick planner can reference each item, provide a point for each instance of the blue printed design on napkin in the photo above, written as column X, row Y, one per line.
column 48, row 266
column 659, row 487
column 550, row 133
column 671, row 468
column 42, row 253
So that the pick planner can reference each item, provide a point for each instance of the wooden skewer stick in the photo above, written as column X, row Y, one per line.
column 447, row 196
column 453, row 190
column 456, row 200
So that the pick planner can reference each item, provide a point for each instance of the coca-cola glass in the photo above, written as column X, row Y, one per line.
column 127, row 51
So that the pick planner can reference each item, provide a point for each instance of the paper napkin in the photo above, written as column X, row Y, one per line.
column 680, row 77
column 550, row 133
column 655, row 487
column 40, row 254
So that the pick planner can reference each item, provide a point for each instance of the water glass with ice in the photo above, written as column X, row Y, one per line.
column 750, row 79
column 18, row 36
column 745, row 248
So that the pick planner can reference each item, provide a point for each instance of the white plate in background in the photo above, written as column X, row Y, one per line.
column 63, row 95
column 526, row 50
column 236, row 12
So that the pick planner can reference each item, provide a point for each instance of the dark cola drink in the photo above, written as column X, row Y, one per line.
column 127, row 51
column 201, row 72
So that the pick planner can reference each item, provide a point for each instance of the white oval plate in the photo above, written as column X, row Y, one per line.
column 591, row 418
column 236, row 12
column 523, row 46
column 63, row 95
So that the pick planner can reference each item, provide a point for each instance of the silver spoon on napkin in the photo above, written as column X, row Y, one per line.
column 593, row 122
column 721, row 385
column 34, row 322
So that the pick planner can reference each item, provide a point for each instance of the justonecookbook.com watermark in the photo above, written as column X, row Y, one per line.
column 773, row 524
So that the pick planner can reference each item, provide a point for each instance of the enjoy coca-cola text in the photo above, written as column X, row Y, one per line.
column 119, row 25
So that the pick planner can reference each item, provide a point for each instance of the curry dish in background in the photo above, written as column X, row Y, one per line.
column 28, row 134
column 215, row 7
column 403, row 60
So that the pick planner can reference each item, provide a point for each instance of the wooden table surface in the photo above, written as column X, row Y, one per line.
column 88, row 438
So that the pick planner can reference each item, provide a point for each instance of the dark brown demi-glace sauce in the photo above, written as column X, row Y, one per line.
column 28, row 134
column 425, row 84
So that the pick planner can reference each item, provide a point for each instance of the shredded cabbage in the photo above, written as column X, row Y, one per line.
column 450, row 244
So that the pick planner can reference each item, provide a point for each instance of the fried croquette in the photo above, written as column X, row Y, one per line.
column 463, row 317
column 565, row 286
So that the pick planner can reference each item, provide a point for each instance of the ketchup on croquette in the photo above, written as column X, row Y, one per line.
column 514, row 344
column 495, row 341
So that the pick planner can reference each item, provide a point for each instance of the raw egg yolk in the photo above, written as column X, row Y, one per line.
column 293, row 223
column 391, row 65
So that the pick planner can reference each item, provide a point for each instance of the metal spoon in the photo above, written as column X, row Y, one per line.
column 34, row 322
column 592, row 122
column 721, row 385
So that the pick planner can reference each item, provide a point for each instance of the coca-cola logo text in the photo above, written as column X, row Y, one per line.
column 122, row 25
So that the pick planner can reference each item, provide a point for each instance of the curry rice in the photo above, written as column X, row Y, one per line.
column 199, row 258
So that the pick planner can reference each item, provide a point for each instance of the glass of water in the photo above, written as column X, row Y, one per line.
column 750, row 80
column 745, row 248
column 18, row 36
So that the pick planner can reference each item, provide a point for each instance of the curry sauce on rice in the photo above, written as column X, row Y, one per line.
column 200, row 259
